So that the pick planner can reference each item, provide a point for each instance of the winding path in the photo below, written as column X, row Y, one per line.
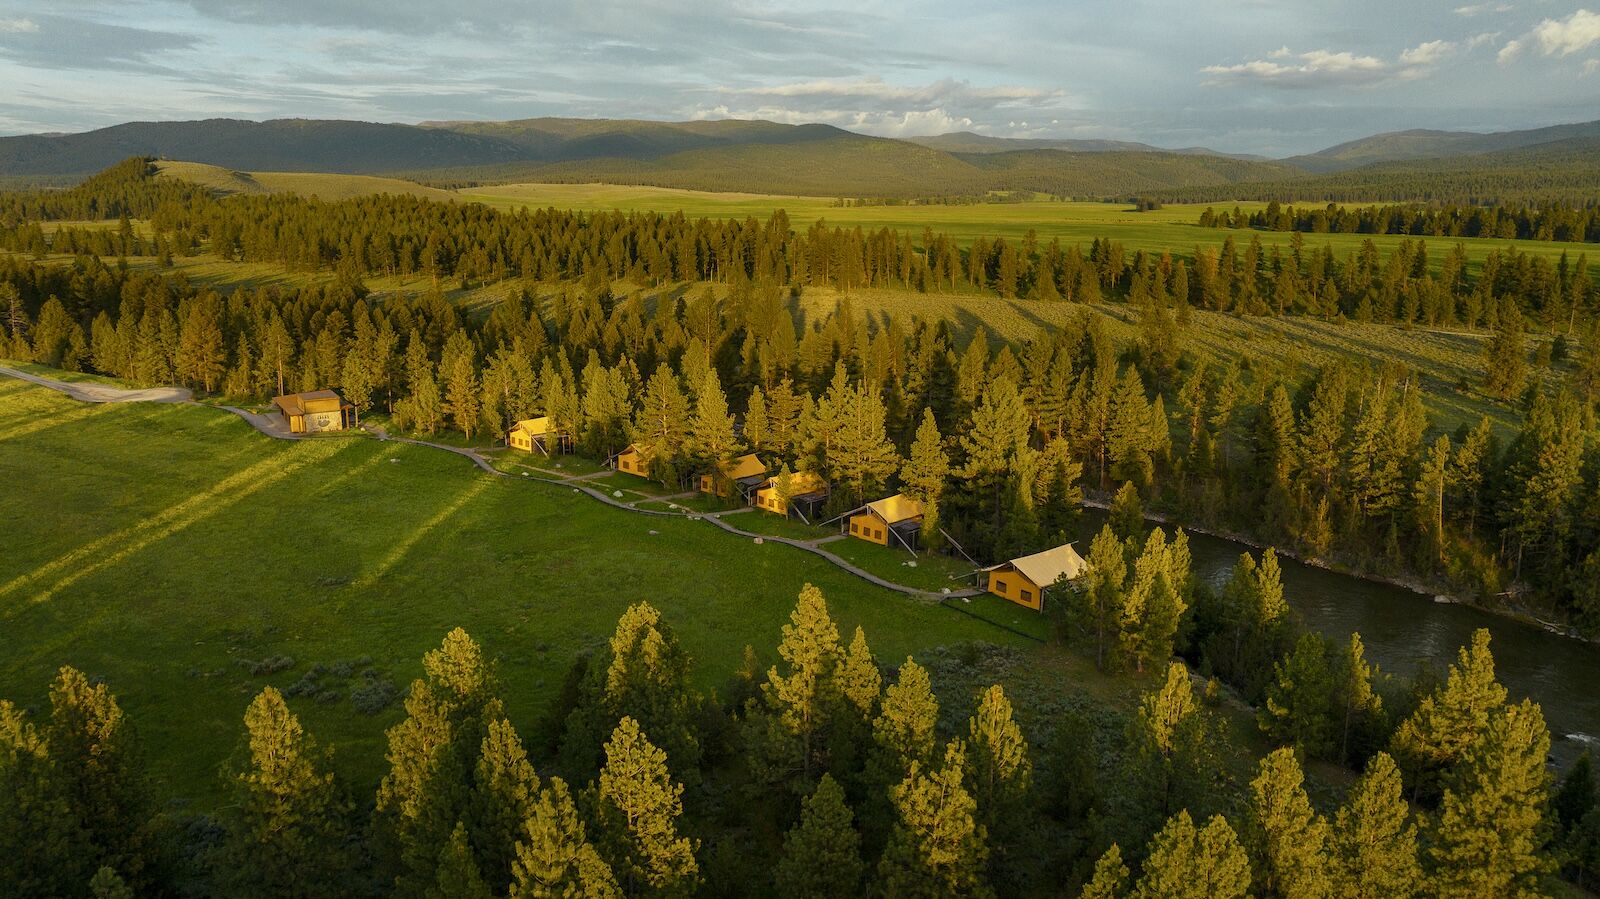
column 273, row 426
column 102, row 393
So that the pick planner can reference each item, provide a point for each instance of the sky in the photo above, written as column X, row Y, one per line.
column 1274, row 77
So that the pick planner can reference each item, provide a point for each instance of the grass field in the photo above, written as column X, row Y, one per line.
column 163, row 547
column 326, row 186
column 1174, row 227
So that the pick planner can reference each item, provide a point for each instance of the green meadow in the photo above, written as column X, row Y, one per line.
column 1172, row 228
column 180, row 556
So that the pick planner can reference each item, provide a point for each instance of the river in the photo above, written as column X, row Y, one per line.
column 1402, row 629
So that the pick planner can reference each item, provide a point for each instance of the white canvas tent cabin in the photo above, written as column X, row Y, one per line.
column 536, row 435
column 808, row 493
column 634, row 460
column 744, row 474
column 891, row 521
column 1024, row 581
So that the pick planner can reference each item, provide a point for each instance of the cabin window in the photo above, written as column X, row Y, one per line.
column 999, row 586
column 1027, row 596
column 878, row 535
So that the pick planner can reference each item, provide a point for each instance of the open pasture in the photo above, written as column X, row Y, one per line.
column 1172, row 228
column 325, row 185
column 189, row 561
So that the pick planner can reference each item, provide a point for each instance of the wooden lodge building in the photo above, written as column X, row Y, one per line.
column 535, row 435
column 744, row 474
column 634, row 460
column 808, row 493
column 315, row 411
column 893, row 521
column 1024, row 581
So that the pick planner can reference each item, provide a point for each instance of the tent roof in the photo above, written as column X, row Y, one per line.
column 746, row 466
column 800, row 483
column 897, row 508
column 534, row 426
column 1049, row 566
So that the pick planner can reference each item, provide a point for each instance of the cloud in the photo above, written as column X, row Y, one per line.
column 1326, row 69
column 874, row 105
column 943, row 91
column 1427, row 54
column 1557, row 37
column 1478, row 40
column 1576, row 32
column 1478, row 9
column 1591, row 67
column 60, row 42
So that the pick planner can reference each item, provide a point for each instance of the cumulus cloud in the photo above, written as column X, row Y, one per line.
column 877, row 106
column 1325, row 68
column 1557, row 37
column 1427, row 54
column 1478, row 40
column 18, row 26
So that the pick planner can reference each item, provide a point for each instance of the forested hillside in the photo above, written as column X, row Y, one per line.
column 820, row 160
column 1566, row 171
column 280, row 145
column 1402, row 145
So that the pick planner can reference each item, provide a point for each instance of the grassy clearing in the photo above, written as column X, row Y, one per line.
column 327, row 186
column 1444, row 359
column 1174, row 227
column 160, row 547
column 924, row 571
column 1007, row 614
column 758, row 522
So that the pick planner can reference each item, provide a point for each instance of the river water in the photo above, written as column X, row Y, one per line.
column 1402, row 629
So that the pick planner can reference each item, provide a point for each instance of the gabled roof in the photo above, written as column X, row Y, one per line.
column 800, row 483
column 1050, row 566
column 534, row 427
column 895, row 509
column 295, row 403
column 644, row 450
column 746, row 466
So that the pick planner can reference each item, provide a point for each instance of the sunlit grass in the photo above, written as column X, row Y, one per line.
column 174, row 541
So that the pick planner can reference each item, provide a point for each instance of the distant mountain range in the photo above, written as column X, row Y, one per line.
column 968, row 142
column 1397, row 146
column 741, row 155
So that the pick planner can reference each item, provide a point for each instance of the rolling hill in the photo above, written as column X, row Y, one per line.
column 1560, row 171
column 326, row 185
column 820, row 160
column 556, row 140
column 282, row 145
column 1397, row 146
column 968, row 142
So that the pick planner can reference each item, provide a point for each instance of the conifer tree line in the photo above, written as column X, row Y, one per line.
column 999, row 442
column 467, row 243
column 1545, row 221
column 827, row 775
